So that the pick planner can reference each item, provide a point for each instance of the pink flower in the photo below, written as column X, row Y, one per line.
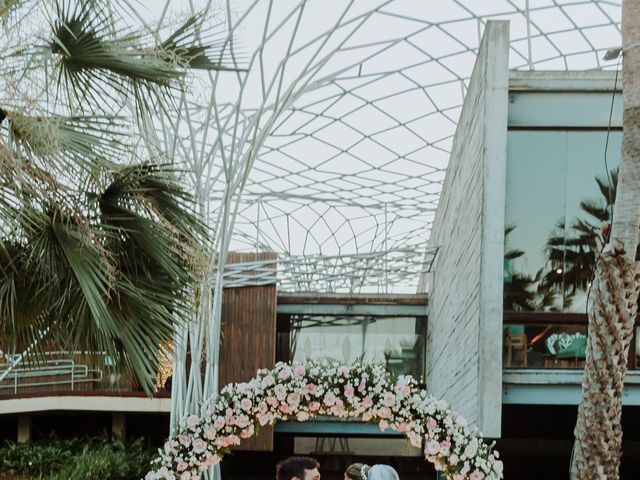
column 476, row 475
column 432, row 447
column 245, row 404
column 389, row 399
column 445, row 444
column 263, row 407
column 403, row 427
column 344, row 370
column 199, row 445
column 185, row 476
column 362, row 386
column 314, row 406
column 310, row 388
column 431, row 424
column 454, row 459
column 329, row 399
column 280, row 390
column 244, row 388
column 272, row 401
column 302, row 416
column 219, row 423
column 182, row 466
column 233, row 440
column 268, row 381
column 366, row 416
column 404, row 389
column 284, row 374
column 384, row 412
column 247, row 432
column 348, row 391
column 284, row 408
column 383, row 425
column 242, row 421
column 298, row 371
column 184, row 440
column 496, row 453
column 293, row 399
column 262, row 419
column 211, row 460
column 192, row 421
column 210, row 433
column 367, row 402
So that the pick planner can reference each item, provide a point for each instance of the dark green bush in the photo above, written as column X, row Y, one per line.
column 92, row 459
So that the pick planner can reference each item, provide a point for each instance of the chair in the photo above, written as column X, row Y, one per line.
column 517, row 342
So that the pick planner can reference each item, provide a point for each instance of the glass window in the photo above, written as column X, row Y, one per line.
column 557, row 197
column 396, row 341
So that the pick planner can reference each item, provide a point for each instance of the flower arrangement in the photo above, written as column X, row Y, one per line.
column 301, row 392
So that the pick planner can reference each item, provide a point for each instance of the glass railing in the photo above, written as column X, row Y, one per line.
column 539, row 340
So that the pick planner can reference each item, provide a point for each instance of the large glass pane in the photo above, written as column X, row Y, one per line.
column 557, row 198
column 398, row 342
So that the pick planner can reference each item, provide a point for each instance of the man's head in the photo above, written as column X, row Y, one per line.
column 300, row 468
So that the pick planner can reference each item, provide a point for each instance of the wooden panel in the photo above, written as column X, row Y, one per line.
column 248, row 337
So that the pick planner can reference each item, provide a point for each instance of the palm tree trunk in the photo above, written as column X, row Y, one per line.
column 598, row 431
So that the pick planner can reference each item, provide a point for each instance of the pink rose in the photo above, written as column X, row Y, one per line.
column 310, row 388
column 284, row 374
column 404, row 389
column 496, row 453
column 348, row 391
column 293, row 399
column 272, row 401
column 263, row 407
column 476, row 475
column 298, row 371
column 280, row 390
column 268, row 381
column 314, row 406
column 247, row 432
column 245, row 404
column 384, row 412
column 242, row 421
column 303, row 416
column 210, row 433
column 389, row 399
column 431, row 424
column 192, row 421
column 199, row 445
column 432, row 447
column 184, row 440
column 366, row 416
column 182, row 466
column 445, row 443
column 367, row 402
column 219, row 423
column 284, row 408
column 329, row 399
column 262, row 419
column 403, row 427
column 233, row 440
column 383, row 425
column 344, row 370
column 211, row 460
column 362, row 386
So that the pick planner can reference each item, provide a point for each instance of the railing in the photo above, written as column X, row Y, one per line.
column 60, row 372
column 553, row 340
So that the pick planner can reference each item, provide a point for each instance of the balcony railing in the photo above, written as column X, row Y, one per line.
column 553, row 340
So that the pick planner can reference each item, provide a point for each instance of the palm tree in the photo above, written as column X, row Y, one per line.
column 598, row 432
column 99, row 243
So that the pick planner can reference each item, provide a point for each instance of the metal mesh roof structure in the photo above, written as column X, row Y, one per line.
column 333, row 145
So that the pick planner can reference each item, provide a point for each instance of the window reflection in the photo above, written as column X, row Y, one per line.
column 398, row 342
column 558, row 196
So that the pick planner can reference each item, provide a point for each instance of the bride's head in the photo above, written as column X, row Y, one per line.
column 361, row 471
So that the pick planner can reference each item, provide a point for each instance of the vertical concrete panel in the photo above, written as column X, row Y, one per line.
column 464, row 340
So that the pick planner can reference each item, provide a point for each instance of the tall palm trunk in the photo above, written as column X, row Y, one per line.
column 598, row 431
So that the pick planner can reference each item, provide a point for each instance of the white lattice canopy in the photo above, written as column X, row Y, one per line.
column 331, row 149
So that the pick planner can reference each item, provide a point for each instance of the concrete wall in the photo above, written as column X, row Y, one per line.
column 464, row 341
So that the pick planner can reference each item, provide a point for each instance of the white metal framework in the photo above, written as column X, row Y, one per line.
column 331, row 149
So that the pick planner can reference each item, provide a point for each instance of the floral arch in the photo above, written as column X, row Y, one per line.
column 302, row 392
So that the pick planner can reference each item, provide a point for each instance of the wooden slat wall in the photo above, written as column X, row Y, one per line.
column 248, row 337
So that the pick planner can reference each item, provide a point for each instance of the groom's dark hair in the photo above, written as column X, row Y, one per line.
column 295, row 467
